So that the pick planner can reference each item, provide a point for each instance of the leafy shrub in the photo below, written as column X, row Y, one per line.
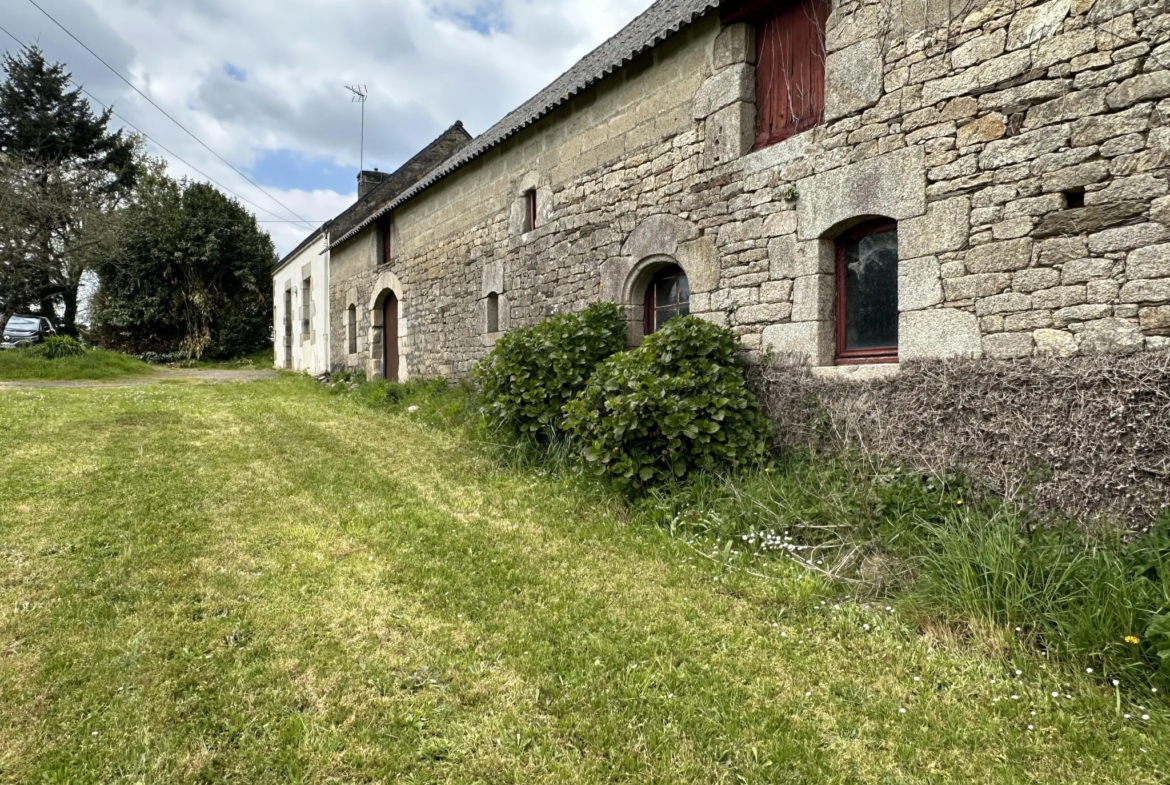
column 676, row 406
column 533, row 372
column 57, row 346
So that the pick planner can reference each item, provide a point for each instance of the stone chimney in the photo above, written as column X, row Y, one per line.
column 368, row 181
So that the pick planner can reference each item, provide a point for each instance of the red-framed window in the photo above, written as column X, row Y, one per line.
column 790, row 64
column 867, row 294
column 385, row 234
column 668, row 295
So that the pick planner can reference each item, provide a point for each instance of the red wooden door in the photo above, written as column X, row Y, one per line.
column 790, row 72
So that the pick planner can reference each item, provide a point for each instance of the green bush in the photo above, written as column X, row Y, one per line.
column 533, row 372
column 57, row 346
column 676, row 406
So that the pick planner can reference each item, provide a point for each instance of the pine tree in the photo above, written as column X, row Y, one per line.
column 64, row 171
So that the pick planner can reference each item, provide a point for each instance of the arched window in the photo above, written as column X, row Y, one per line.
column 493, row 313
column 867, row 293
column 668, row 295
column 351, row 328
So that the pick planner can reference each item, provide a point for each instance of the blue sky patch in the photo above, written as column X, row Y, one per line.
column 291, row 170
column 235, row 72
column 486, row 18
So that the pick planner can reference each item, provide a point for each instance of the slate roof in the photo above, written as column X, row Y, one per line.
column 659, row 22
column 304, row 244
column 368, row 208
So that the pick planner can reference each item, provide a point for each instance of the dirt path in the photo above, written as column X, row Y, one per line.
column 176, row 376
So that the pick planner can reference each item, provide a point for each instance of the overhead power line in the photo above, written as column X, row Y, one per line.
column 164, row 111
column 168, row 151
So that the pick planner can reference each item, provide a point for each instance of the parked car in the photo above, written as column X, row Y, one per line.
column 26, row 331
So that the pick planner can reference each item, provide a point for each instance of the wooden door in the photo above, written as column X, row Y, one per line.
column 390, row 337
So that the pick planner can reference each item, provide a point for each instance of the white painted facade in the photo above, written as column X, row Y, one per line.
column 301, row 312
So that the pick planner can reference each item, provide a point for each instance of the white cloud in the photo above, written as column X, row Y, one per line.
column 427, row 63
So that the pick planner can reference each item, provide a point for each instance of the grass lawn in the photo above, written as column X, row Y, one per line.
column 263, row 584
column 262, row 359
column 19, row 365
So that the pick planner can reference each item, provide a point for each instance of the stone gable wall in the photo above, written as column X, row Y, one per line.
column 968, row 133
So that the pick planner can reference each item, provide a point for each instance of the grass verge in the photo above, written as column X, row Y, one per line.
column 265, row 584
column 24, row 365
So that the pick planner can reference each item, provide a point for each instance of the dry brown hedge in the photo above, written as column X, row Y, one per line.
column 1085, row 438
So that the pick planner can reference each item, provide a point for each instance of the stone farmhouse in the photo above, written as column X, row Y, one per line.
column 856, row 182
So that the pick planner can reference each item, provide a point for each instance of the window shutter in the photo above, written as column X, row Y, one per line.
column 790, row 73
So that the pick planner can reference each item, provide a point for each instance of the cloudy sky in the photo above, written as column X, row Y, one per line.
column 262, row 82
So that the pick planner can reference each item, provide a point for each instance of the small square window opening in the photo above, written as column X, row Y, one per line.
column 1074, row 199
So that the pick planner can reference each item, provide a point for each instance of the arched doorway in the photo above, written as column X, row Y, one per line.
column 668, row 294
column 390, row 337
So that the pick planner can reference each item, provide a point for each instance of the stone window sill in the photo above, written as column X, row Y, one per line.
column 857, row 373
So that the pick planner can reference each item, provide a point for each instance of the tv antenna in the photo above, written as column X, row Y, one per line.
column 360, row 96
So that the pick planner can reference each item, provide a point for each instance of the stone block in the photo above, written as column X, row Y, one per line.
column 729, row 86
column 1084, row 270
column 1034, row 279
column 980, row 77
column 1061, row 249
column 765, row 313
column 853, row 79
column 1088, row 219
column 1026, row 320
column 1025, row 147
column 1013, row 229
column 938, row 334
column 1095, row 130
column 1053, row 162
column 1007, row 346
column 1123, row 145
column 1036, row 23
column 735, row 45
column 658, row 235
column 919, row 284
column 781, row 223
column 892, row 185
column 1110, row 337
column 1055, row 343
column 1068, row 107
column 731, row 132
column 1150, row 262
column 1143, row 87
column 1081, row 313
column 700, row 259
column 979, row 49
column 1155, row 321
column 813, row 342
column 945, row 227
column 1103, row 291
column 1003, row 303
column 1063, row 48
column 776, row 291
column 986, row 129
column 1059, row 297
column 1076, row 177
column 1034, row 206
column 1000, row 257
column 1143, row 187
column 1146, row 291
column 970, row 287
column 813, row 298
column 789, row 258
column 1126, row 238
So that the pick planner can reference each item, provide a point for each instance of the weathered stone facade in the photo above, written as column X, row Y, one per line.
column 981, row 135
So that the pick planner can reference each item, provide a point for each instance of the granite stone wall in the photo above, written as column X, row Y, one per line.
column 1021, row 147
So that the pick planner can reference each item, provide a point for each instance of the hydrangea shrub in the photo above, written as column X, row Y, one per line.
column 677, row 405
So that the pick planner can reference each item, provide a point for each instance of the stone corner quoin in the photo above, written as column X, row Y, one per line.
column 1023, row 154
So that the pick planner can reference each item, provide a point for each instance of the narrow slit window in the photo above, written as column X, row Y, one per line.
column 790, row 71
column 867, row 294
column 351, row 328
column 386, row 231
column 667, row 296
column 530, row 210
column 493, row 313
column 306, row 307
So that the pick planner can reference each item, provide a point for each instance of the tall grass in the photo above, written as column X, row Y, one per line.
column 1095, row 597
column 29, row 364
